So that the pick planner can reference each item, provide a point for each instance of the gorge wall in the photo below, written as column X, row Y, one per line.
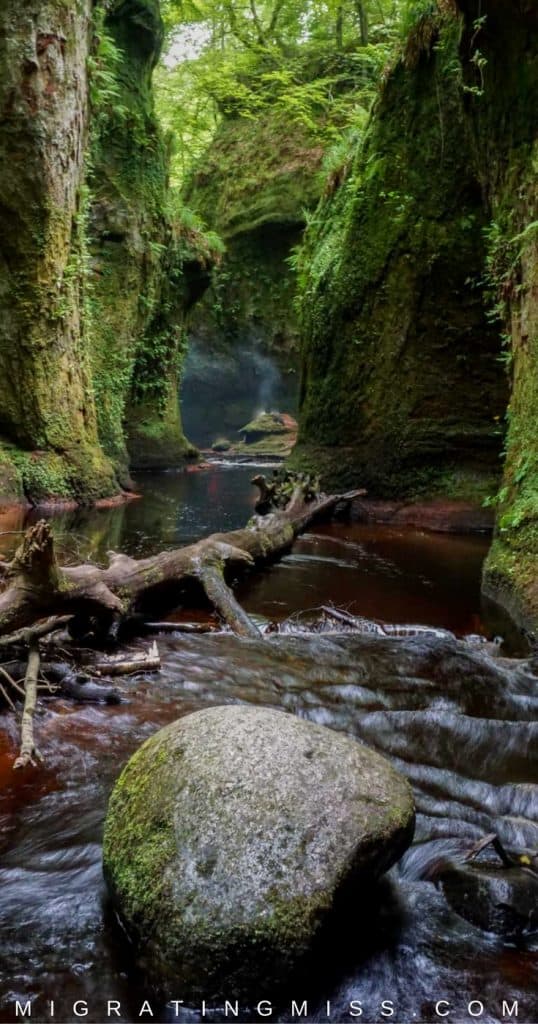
column 48, row 428
column 253, row 187
column 419, row 286
column 93, row 286
column 145, row 269
column 505, row 132
column 397, row 345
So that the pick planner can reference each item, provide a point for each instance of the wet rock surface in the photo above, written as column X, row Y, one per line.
column 493, row 898
column 233, row 834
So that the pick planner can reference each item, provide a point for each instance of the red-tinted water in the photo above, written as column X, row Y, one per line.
column 462, row 729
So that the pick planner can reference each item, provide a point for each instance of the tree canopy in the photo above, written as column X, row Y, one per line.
column 319, row 63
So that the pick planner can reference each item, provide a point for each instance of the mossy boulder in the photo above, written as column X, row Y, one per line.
column 221, row 445
column 269, row 433
column 229, row 837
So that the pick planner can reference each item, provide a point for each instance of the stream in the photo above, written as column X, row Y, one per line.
column 458, row 722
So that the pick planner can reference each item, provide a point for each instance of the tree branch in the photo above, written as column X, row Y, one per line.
column 28, row 753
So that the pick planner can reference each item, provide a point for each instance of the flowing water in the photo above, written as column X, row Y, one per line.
column 459, row 723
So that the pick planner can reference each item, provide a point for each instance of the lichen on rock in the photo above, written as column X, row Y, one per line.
column 230, row 836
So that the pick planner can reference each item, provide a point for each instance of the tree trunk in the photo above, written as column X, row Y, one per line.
column 363, row 22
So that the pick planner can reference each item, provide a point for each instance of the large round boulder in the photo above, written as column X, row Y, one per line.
column 231, row 833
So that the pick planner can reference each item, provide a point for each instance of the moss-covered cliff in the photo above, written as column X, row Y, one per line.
column 397, row 346
column 139, row 289
column 420, row 285
column 48, row 432
column 95, row 276
column 254, row 185
column 504, row 112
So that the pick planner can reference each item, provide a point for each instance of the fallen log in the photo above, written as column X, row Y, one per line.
column 99, row 597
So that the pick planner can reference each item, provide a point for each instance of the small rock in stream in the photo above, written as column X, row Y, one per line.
column 495, row 899
column 230, row 836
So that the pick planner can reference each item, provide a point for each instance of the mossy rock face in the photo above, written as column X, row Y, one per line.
column 505, row 124
column 253, row 187
column 230, row 834
column 402, row 385
column 155, row 438
column 140, row 292
column 48, row 427
column 256, row 172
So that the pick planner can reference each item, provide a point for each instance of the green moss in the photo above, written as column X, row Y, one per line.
column 139, row 291
column 510, row 576
column 395, row 341
column 510, row 118
column 74, row 475
column 11, row 485
column 134, row 858
column 47, row 419
column 256, row 171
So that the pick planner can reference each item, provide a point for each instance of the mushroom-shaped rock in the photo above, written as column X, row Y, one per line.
column 231, row 833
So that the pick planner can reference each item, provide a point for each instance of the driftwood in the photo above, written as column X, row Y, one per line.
column 24, row 637
column 38, row 586
column 177, row 627
column 29, row 753
column 119, row 665
column 62, row 679
column 70, row 682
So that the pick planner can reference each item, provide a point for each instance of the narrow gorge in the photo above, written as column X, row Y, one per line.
column 270, row 751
